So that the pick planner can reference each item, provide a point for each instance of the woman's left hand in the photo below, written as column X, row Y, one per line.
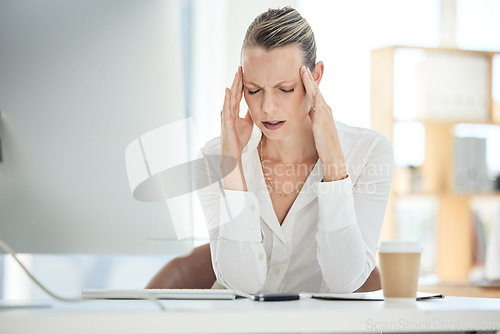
column 325, row 133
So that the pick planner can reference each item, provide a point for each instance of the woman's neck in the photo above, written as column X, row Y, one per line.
column 299, row 147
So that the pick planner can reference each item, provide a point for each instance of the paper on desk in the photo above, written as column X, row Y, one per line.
column 374, row 295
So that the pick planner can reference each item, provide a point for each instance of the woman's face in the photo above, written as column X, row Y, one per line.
column 274, row 91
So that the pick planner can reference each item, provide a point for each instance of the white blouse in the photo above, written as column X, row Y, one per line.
column 328, row 240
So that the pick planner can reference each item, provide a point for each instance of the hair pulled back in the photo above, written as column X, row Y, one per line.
column 281, row 27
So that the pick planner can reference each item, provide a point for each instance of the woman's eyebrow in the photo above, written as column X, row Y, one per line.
column 249, row 83
column 284, row 82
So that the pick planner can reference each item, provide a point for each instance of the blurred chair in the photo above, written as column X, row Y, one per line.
column 372, row 283
column 195, row 271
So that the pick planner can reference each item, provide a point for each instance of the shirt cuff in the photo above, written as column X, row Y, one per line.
column 336, row 205
column 240, row 216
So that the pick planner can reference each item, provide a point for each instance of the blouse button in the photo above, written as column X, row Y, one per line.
column 261, row 256
column 252, row 207
column 277, row 271
column 319, row 219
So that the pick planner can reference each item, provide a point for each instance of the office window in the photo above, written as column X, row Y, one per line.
column 478, row 24
column 347, row 31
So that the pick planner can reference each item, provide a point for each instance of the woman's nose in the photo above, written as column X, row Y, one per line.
column 269, row 103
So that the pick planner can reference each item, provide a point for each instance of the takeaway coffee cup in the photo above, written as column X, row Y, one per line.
column 399, row 268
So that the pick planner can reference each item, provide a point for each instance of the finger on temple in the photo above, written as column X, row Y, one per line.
column 240, row 85
column 226, row 108
column 234, row 92
column 309, row 84
column 241, row 74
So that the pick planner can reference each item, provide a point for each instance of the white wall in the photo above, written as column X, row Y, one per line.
column 219, row 29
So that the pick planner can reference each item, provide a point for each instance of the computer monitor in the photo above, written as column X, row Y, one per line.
column 80, row 80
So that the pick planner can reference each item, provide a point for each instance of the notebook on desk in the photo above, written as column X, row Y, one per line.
column 373, row 295
column 194, row 294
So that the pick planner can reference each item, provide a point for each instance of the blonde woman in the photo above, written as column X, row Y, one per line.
column 303, row 208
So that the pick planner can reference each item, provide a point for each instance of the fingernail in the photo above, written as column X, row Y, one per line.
column 304, row 69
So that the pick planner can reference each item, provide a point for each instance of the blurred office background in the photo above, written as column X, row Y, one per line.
column 80, row 80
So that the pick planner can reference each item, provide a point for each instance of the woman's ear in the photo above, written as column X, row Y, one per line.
column 319, row 68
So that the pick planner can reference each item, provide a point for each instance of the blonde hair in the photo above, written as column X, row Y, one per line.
column 280, row 27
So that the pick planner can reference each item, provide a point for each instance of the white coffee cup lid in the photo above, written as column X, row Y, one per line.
column 400, row 246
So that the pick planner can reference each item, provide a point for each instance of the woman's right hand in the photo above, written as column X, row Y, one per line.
column 235, row 131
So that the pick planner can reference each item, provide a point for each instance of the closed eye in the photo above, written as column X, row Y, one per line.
column 287, row 91
column 251, row 92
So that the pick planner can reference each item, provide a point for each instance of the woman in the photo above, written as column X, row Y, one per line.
column 303, row 208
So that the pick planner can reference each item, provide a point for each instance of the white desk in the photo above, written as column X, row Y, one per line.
column 451, row 314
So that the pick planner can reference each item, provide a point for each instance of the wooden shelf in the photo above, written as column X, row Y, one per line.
column 454, row 218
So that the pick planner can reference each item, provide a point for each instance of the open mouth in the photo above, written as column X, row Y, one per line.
column 274, row 125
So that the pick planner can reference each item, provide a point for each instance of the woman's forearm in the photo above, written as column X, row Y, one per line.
column 334, row 171
column 233, row 177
